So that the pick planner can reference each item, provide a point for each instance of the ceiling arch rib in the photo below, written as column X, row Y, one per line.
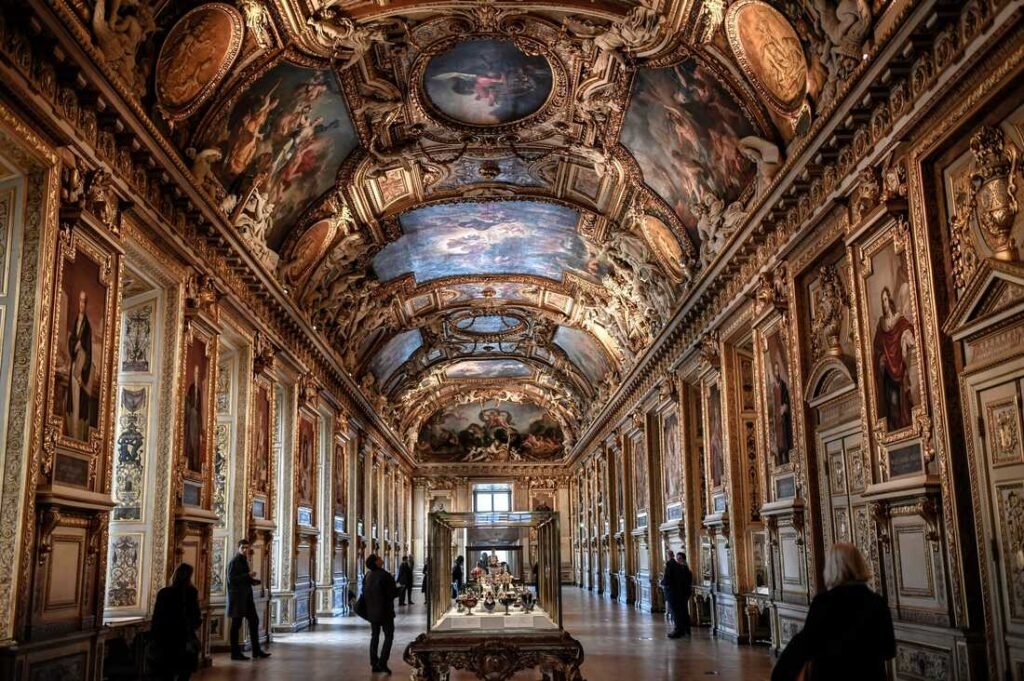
column 404, row 169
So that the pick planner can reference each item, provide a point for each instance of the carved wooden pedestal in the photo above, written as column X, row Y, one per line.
column 495, row 658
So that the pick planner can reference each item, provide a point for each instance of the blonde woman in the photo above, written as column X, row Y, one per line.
column 848, row 634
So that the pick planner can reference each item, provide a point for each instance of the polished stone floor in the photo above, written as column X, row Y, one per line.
column 620, row 644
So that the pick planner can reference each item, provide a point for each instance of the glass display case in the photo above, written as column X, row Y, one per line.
column 505, row 614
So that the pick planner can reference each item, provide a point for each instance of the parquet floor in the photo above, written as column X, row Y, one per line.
column 620, row 644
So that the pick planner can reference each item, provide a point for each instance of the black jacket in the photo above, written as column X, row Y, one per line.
column 457, row 575
column 176, row 617
column 379, row 592
column 677, row 582
column 405, row 575
column 240, row 599
column 848, row 636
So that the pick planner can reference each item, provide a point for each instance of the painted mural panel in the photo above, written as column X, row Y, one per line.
column 489, row 368
column 394, row 353
column 130, row 453
column 124, row 572
column 584, row 351
column 780, row 405
column 137, row 339
column 222, row 448
column 291, row 126
column 495, row 237
column 683, row 127
column 487, row 82
column 490, row 431
column 499, row 291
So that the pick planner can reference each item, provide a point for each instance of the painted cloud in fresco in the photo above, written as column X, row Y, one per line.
column 488, row 368
column 490, row 431
column 292, row 124
column 497, row 237
column 683, row 127
column 584, row 351
column 394, row 353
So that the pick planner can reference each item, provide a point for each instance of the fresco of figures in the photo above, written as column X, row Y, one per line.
column 492, row 237
column 291, row 126
column 684, row 129
column 487, row 82
column 492, row 431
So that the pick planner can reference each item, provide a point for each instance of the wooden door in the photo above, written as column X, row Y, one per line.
column 841, row 466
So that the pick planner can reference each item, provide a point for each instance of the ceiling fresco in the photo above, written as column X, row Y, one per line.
column 497, row 431
column 487, row 82
column 684, row 130
column 489, row 368
column 493, row 203
column 289, row 132
column 513, row 237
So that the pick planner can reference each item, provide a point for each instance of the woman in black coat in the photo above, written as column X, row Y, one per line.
column 173, row 649
column 848, row 635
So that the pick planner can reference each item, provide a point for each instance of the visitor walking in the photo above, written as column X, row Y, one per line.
column 848, row 634
column 677, row 583
column 426, row 575
column 405, row 580
column 458, row 576
column 241, row 605
column 379, row 591
column 173, row 648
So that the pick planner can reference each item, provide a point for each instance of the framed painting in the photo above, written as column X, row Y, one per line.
column 261, row 475
column 197, row 399
column 640, row 478
column 305, row 460
column 888, row 309
column 671, row 456
column 715, row 434
column 84, row 320
column 340, row 481
column 778, row 397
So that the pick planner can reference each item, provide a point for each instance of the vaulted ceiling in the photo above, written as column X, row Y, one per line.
column 492, row 209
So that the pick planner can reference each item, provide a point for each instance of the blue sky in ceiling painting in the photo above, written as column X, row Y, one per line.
column 394, row 353
column 489, row 368
column 495, row 237
column 584, row 351
column 684, row 128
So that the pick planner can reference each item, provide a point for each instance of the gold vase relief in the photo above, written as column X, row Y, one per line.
column 992, row 198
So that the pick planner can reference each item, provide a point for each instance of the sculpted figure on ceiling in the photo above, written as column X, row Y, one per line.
column 119, row 29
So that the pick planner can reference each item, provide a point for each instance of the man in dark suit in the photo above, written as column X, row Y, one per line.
column 379, row 591
column 405, row 580
column 241, row 605
column 677, row 583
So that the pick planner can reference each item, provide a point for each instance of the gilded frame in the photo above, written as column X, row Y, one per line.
column 75, row 243
column 196, row 333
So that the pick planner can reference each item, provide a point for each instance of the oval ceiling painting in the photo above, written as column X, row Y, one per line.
column 664, row 244
column 487, row 82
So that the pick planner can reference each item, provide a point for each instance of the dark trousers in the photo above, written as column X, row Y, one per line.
column 254, row 633
column 680, row 616
column 405, row 592
column 389, row 635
